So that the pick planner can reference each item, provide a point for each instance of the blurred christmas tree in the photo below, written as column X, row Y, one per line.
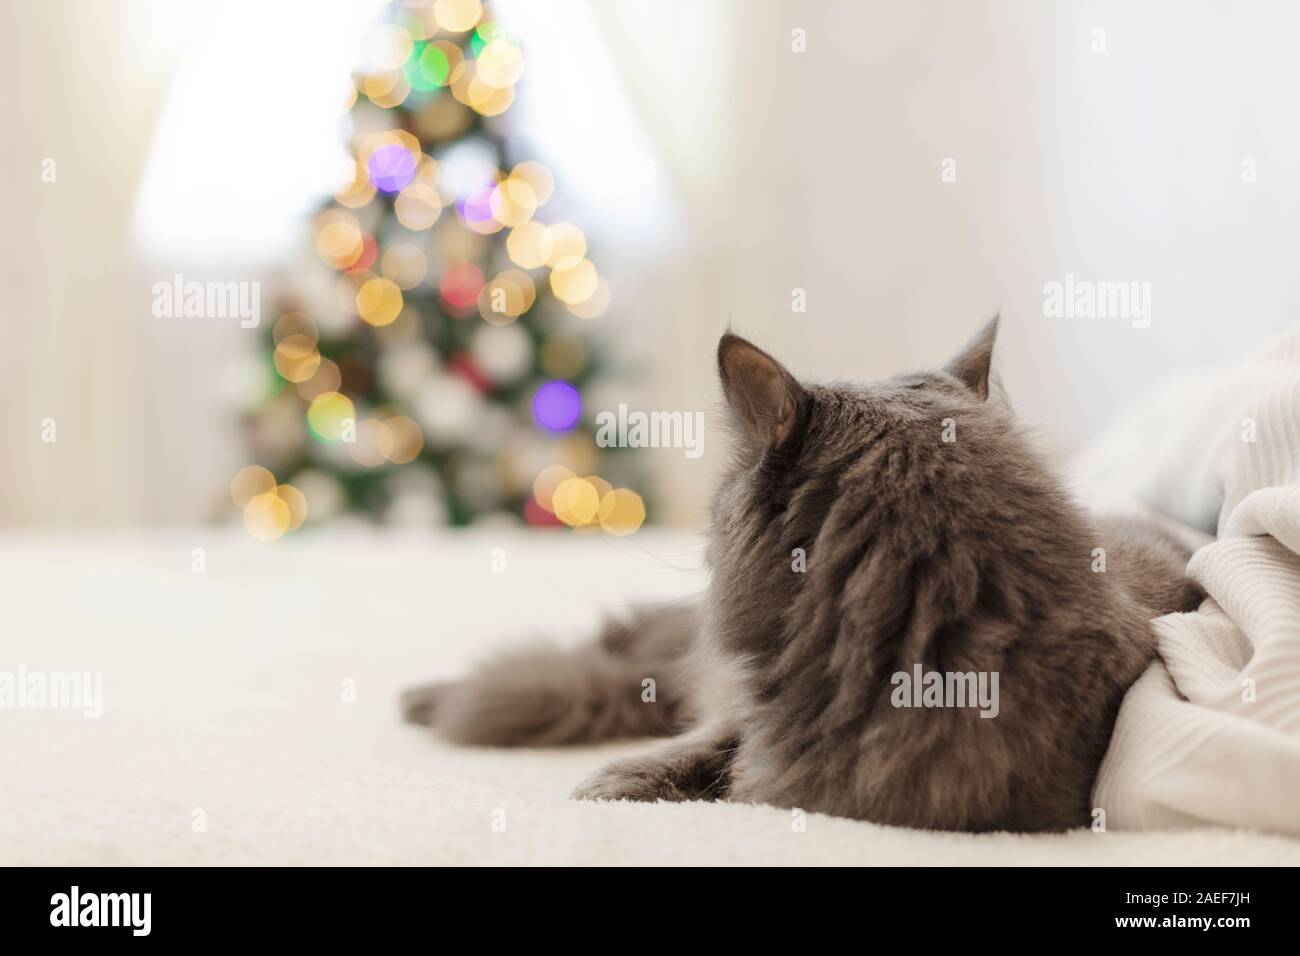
column 440, row 378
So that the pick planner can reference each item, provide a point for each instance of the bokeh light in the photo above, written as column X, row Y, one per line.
column 537, row 176
column 296, row 358
column 339, row 239
column 460, row 285
column 296, row 502
column 576, row 501
column 373, row 444
column 391, row 167
column 500, row 63
column 557, row 406
column 596, row 305
column 387, row 47
column 503, row 353
column 512, row 201
column 379, row 301
column 407, row 439
column 509, row 295
column 267, row 516
column 328, row 413
column 575, row 284
column 621, row 511
column 327, row 378
column 249, row 482
column 355, row 188
column 294, row 323
column 568, row 246
column 530, row 245
column 544, row 485
column 457, row 16
column 418, row 206
column 337, row 416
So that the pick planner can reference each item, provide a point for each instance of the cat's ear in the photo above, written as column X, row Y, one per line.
column 763, row 397
column 972, row 364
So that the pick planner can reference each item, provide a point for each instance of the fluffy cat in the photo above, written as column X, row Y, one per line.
column 933, row 535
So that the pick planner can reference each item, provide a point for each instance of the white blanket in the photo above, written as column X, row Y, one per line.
column 1211, row 733
column 229, row 734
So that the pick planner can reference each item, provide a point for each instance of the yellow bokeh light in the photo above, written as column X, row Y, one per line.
column 488, row 100
column 250, row 482
column 267, row 516
column 530, row 245
column 387, row 89
column 547, row 480
column 329, row 413
column 595, row 306
column 379, row 301
column 576, row 502
column 513, row 202
column 569, row 246
column 501, row 63
column 537, row 176
column 602, row 486
column 355, row 189
column 296, row 358
column 407, row 439
column 296, row 502
column 621, row 511
column 575, row 284
column 339, row 239
column 457, row 16
column 418, row 206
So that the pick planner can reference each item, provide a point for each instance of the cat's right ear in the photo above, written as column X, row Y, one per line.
column 973, row 364
column 763, row 397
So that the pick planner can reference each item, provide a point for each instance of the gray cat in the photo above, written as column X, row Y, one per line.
column 907, row 622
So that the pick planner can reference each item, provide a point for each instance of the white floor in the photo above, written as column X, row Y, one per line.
column 227, row 737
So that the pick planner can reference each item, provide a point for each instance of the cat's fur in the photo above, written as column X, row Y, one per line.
column 962, row 555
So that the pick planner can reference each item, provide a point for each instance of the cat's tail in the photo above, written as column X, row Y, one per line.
column 629, row 683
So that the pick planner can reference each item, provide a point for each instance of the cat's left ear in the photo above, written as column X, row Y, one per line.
column 972, row 364
column 763, row 397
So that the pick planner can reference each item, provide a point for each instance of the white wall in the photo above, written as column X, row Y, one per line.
column 1116, row 165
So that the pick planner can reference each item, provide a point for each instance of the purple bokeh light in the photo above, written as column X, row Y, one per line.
column 557, row 406
column 391, row 167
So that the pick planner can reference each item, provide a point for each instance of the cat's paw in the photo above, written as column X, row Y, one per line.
column 631, row 780
column 419, row 705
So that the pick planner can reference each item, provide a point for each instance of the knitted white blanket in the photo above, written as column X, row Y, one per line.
column 1211, row 732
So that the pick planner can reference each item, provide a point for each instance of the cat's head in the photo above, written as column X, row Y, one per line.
column 774, row 415
column 878, row 480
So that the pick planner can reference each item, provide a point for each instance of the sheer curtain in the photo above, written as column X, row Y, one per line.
column 187, row 137
column 85, row 84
